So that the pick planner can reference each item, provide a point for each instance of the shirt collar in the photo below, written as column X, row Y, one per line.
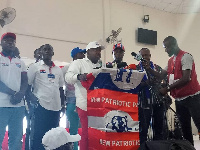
column 41, row 62
column 4, row 55
column 87, row 59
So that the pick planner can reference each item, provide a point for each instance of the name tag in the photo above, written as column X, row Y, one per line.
column 51, row 76
column 171, row 79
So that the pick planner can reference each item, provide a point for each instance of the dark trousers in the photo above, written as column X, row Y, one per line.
column 157, row 115
column 187, row 108
column 44, row 120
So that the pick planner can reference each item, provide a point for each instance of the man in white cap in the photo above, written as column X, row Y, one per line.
column 77, row 72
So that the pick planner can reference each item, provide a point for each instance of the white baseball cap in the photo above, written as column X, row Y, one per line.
column 57, row 137
column 94, row 44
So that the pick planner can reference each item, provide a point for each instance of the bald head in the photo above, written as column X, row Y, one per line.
column 145, row 53
column 171, row 46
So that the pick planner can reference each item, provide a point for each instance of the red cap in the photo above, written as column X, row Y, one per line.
column 8, row 34
column 119, row 45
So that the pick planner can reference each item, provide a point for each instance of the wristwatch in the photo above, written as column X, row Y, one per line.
column 78, row 76
column 168, row 88
column 63, row 106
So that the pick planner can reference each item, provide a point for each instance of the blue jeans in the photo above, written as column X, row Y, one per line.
column 13, row 117
column 73, row 119
column 44, row 120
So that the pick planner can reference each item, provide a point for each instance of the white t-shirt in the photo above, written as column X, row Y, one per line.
column 46, row 82
column 10, row 75
column 80, row 66
column 69, row 88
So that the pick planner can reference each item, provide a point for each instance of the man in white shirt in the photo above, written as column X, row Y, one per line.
column 71, row 113
column 77, row 72
column 47, row 82
column 13, row 84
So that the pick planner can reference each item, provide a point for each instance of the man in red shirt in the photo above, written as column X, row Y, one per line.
column 183, row 85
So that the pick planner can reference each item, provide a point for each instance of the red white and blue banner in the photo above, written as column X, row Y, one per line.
column 113, row 110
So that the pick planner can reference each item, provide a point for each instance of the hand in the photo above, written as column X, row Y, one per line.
column 83, row 77
column 33, row 99
column 62, row 111
column 146, row 65
column 16, row 98
column 163, row 91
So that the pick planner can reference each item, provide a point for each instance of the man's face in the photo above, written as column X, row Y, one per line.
column 38, row 54
column 8, row 44
column 169, row 48
column 47, row 52
column 119, row 54
column 146, row 54
column 94, row 54
column 80, row 55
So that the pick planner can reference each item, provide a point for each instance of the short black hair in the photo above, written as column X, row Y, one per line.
column 171, row 39
column 46, row 45
column 144, row 49
column 35, row 51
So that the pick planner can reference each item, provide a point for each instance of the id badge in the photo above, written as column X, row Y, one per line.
column 171, row 79
column 51, row 77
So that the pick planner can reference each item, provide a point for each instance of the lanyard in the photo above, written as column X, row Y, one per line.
column 173, row 65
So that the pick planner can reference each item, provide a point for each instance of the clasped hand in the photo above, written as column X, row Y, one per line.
column 16, row 98
column 83, row 77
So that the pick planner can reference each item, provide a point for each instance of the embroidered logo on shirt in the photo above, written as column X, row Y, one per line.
column 4, row 64
column 42, row 71
column 18, row 65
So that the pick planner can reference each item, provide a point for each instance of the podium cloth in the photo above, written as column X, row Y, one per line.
column 112, row 104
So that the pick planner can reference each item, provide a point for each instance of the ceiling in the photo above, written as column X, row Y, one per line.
column 171, row 6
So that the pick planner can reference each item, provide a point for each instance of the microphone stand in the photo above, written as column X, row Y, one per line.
column 162, row 100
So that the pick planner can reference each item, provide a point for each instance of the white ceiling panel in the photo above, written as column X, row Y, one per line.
column 172, row 6
column 162, row 6
column 177, row 2
column 143, row 2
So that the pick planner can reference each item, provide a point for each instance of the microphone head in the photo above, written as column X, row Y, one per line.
column 132, row 66
column 109, row 65
column 121, row 65
column 138, row 57
column 133, row 54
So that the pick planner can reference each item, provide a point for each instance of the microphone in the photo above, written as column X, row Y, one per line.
column 121, row 65
column 138, row 57
column 109, row 65
column 131, row 66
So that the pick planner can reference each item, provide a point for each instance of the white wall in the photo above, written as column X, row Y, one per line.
column 66, row 24
column 188, row 34
column 69, row 23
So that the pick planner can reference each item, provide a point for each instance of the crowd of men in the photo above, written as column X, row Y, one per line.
column 40, row 87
